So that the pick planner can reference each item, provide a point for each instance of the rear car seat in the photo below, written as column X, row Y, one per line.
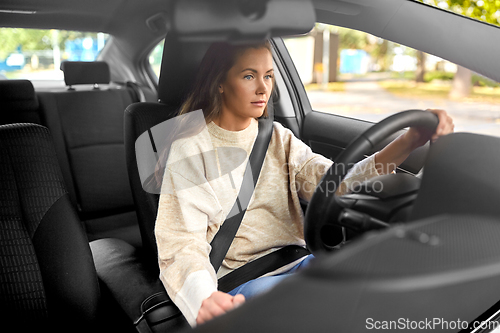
column 86, row 122
column 18, row 102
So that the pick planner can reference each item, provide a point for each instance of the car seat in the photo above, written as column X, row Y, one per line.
column 18, row 102
column 86, row 122
column 141, row 294
column 179, row 66
column 47, row 275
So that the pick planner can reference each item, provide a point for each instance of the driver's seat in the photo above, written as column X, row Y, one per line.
column 141, row 294
column 179, row 66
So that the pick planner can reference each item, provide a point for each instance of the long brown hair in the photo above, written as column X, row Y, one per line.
column 216, row 63
column 218, row 60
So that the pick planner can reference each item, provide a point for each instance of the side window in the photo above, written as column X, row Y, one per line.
column 355, row 74
column 155, row 58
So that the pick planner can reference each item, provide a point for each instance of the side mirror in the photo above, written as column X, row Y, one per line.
column 240, row 20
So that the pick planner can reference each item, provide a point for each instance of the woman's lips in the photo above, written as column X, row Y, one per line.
column 259, row 103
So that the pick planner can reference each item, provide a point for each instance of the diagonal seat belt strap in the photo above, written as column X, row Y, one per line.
column 224, row 237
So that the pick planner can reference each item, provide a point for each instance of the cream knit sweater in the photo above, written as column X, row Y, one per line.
column 199, row 190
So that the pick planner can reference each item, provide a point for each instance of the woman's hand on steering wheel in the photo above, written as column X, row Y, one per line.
column 418, row 136
column 322, row 230
column 398, row 150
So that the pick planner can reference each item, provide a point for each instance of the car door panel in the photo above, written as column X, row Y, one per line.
column 329, row 134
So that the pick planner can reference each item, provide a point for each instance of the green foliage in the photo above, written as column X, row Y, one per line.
column 477, row 80
column 35, row 40
column 27, row 39
column 438, row 75
column 352, row 39
column 483, row 82
column 408, row 75
column 483, row 10
column 379, row 49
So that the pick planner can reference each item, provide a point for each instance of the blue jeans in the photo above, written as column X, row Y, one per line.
column 254, row 287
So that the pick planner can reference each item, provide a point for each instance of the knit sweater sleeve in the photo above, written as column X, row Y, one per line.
column 186, row 207
column 309, row 168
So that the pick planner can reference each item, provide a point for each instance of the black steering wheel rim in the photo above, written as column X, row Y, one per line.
column 321, row 232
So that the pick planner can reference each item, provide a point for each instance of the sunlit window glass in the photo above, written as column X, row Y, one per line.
column 358, row 75
column 37, row 54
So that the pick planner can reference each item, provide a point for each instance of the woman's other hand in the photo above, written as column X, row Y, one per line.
column 217, row 304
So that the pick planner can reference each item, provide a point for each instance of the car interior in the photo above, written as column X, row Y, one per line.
column 78, row 251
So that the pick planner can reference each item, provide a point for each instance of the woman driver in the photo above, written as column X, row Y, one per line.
column 232, row 88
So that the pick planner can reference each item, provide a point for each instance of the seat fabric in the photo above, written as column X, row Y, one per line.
column 140, row 117
column 18, row 102
column 87, row 125
column 179, row 66
column 114, row 259
column 47, row 274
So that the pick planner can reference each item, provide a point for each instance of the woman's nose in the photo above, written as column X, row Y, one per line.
column 262, row 87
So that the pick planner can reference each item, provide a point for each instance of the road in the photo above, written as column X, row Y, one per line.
column 367, row 100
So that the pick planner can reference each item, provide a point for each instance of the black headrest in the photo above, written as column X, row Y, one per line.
column 17, row 95
column 85, row 72
column 179, row 66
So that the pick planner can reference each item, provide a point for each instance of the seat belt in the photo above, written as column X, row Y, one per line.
column 225, row 236
column 137, row 90
column 263, row 265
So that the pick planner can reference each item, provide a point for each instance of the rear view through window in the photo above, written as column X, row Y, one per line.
column 37, row 54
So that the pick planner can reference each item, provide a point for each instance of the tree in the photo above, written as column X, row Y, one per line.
column 483, row 10
column 420, row 74
column 26, row 39
column 378, row 48
column 380, row 51
column 462, row 83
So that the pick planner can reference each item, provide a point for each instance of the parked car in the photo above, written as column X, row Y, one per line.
column 423, row 253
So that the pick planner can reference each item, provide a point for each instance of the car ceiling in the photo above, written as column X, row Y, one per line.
column 87, row 15
column 413, row 24
column 124, row 19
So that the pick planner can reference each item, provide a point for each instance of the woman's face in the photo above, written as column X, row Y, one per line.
column 247, row 89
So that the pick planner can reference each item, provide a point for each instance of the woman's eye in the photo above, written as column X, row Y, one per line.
column 269, row 77
column 248, row 77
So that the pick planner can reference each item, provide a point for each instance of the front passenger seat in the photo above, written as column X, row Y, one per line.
column 47, row 275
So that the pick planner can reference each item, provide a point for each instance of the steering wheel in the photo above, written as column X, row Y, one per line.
column 322, row 230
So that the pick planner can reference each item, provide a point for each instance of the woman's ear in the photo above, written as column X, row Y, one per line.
column 221, row 90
